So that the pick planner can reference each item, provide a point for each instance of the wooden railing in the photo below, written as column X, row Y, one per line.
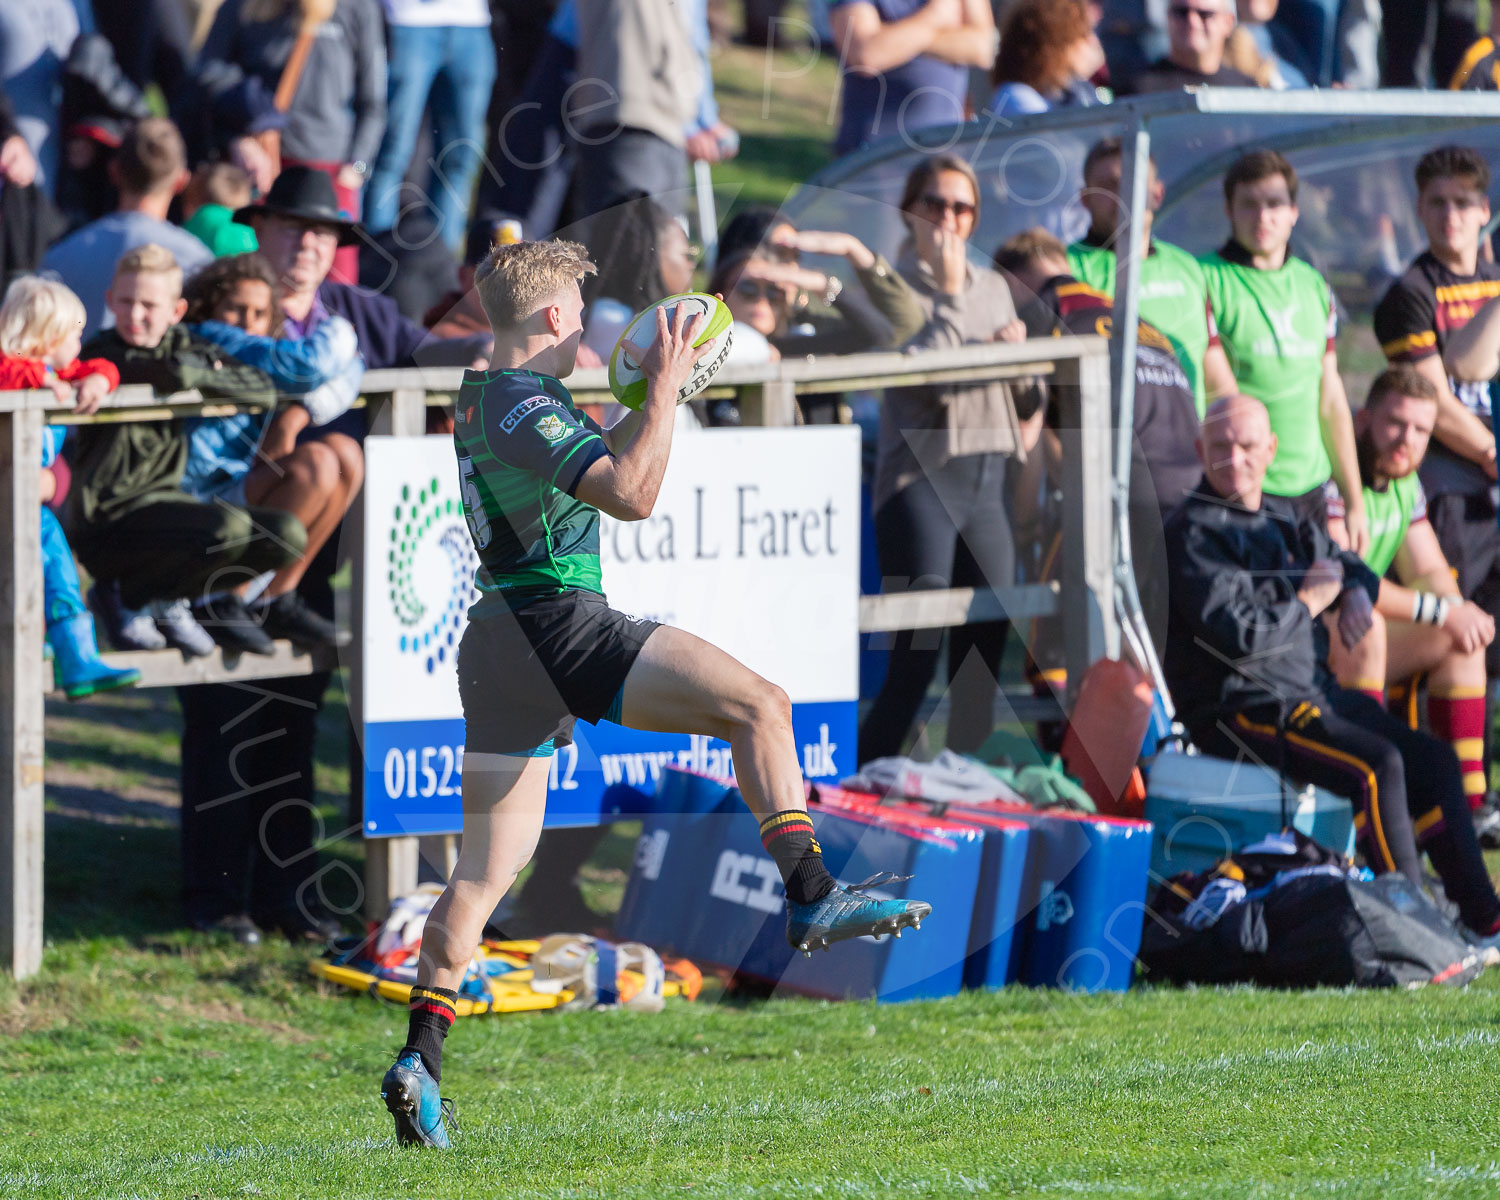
column 397, row 401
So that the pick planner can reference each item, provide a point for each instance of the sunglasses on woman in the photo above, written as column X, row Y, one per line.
column 760, row 289
column 937, row 206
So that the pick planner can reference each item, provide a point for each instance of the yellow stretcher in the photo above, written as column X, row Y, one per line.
column 508, row 975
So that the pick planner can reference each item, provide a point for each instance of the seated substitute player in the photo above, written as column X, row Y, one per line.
column 543, row 648
column 1425, row 627
column 1247, row 663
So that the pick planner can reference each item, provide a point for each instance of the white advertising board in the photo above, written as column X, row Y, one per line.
column 753, row 545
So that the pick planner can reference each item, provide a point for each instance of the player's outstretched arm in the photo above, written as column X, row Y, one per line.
column 625, row 484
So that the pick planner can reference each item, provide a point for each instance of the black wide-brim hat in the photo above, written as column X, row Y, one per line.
column 303, row 194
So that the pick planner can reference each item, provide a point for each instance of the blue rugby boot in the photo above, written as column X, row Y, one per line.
column 411, row 1095
column 847, row 913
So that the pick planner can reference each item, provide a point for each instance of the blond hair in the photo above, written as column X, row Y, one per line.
column 150, row 259
column 36, row 315
column 515, row 281
column 1027, row 247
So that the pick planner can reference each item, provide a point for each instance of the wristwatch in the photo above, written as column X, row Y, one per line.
column 832, row 290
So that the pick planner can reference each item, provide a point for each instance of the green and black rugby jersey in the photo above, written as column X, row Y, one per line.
column 522, row 448
column 1276, row 326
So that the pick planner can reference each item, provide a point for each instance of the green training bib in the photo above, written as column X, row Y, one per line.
column 1172, row 298
column 1275, row 327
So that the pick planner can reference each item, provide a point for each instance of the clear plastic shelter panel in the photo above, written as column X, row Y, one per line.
column 1354, row 153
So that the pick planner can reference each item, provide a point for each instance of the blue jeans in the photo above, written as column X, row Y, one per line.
column 1305, row 33
column 453, row 68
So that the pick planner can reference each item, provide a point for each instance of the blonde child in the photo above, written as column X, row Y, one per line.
column 41, row 328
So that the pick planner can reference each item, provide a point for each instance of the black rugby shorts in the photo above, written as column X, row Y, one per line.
column 525, row 675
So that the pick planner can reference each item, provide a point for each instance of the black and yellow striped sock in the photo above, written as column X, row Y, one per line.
column 432, row 1013
column 788, row 838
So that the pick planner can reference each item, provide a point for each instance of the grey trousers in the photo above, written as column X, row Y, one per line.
column 610, row 168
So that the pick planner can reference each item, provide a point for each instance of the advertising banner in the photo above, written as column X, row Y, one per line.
column 753, row 546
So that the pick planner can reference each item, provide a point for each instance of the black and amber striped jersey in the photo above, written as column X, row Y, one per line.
column 1414, row 321
column 1479, row 71
column 1165, row 464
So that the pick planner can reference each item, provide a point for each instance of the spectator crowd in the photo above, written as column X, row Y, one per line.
column 261, row 199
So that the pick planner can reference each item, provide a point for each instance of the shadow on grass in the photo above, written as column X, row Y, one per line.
column 105, row 807
column 110, row 880
column 768, row 170
column 113, row 857
column 102, row 754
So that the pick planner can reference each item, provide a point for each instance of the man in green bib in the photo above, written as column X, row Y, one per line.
column 1277, row 323
column 1426, row 626
column 1173, row 298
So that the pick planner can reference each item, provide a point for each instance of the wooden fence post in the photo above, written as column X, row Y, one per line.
column 1090, row 625
column 390, row 863
column 771, row 403
column 21, row 689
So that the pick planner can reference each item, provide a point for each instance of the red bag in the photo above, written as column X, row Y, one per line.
column 1105, row 733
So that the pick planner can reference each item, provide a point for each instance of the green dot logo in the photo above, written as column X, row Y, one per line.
column 430, row 593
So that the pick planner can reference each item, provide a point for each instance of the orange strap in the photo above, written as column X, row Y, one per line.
column 296, row 63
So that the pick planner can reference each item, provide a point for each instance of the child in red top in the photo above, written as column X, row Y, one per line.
column 40, row 336
column 95, row 377
column 41, row 328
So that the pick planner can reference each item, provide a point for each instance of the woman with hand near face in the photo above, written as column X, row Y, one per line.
column 823, row 313
column 943, row 452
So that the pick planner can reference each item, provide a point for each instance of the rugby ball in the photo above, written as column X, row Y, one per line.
column 625, row 378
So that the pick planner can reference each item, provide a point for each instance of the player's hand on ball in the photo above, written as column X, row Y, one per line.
column 696, row 318
column 671, row 357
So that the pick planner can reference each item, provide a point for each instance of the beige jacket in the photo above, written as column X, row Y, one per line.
column 640, row 50
column 923, row 427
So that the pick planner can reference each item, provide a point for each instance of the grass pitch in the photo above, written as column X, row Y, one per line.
column 149, row 1062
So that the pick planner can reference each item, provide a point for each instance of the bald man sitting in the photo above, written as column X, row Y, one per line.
column 1247, row 662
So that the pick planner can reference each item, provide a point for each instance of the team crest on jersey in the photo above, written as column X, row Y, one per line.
column 551, row 428
column 518, row 414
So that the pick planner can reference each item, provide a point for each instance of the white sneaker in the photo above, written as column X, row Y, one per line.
column 1488, row 946
column 175, row 621
column 1487, row 825
column 126, row 628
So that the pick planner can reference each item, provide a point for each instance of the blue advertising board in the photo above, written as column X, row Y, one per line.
column 703, row 885
column 413, row 768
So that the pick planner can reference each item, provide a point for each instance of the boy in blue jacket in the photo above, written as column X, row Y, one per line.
column 255, row 458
